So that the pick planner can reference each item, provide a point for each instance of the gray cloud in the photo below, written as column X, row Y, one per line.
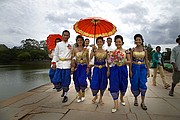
column 157, row 20
column 133, row 13
column 162, row 29
column 162, row 33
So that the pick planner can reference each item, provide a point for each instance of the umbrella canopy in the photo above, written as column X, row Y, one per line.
column 94, row 27
column 50, row 42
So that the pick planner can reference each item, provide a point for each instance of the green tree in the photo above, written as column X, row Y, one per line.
column 30, row 44
column 5, row 54
column 149, row 51
column 167, row 54
column 38, row 54
column 24, row 56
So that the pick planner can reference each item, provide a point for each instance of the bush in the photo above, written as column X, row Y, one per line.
column 24, row 56
column 168, row 67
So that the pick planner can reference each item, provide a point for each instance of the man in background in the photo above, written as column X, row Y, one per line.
column 157, row 65
column 175, row 61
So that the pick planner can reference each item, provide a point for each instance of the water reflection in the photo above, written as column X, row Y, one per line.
column 16, row 79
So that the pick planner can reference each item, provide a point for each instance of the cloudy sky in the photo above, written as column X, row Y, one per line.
column 157, row 20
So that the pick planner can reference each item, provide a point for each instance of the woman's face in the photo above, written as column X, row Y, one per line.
column 100, row 43
column 118, row 43
column 138, row 41
column 80, row 41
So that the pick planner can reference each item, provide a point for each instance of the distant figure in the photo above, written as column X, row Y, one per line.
column 175, row 60
column 57, row 86
column 139, row 71
column 158, row 64
column 89, row 48
column 63, row 52
column 109, row 47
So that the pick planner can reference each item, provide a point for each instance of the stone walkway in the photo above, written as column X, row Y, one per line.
column 44, row 103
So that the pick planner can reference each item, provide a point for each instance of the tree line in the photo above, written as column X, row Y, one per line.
column 29, row 50
column 32, row 50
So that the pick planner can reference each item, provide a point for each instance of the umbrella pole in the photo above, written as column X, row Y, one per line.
column 94, row 30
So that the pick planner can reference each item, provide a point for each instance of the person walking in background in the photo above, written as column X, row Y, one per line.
column 175, row 61
column 52, row 71
column 139, row 70
column 89, row 49
column 62, row 59
column 81, row 59
column 109, row 46
column 157, row 65
column 100, row 71
column 118, row 71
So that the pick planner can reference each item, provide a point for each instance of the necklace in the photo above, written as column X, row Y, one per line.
column 80, row 49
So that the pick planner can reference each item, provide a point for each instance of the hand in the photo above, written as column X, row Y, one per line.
column 87, row 70
column 108, row 73
column 72, row 70
column 53, row 66
column 148, row 73
column 176, row 69
column 130, row 74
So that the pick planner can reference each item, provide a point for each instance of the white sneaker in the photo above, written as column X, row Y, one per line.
column 123, row 103
column 114, row 110
column 78, row 99
column 82, row 99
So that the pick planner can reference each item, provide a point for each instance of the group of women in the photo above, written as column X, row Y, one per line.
column 113, row 66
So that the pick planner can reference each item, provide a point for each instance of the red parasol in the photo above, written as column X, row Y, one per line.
column 94, row 27
column 50, row 42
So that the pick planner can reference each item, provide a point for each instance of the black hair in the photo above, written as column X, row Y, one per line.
column 86, row 39
column 65, row 31
column 177, row 39
column 109, row 38
column 157, row 47
column 118, row 36
column 99, row 38
column 79, row 36
column 139, row 35
column 58, row 40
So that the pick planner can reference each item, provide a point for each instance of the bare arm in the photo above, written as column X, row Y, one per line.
column 130, row 65
column 108, row 67
column 128, row 57
column 73, row 61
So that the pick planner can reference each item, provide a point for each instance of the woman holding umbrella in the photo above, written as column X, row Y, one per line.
column 100, row 71
column 80, row 61
column 118, row 71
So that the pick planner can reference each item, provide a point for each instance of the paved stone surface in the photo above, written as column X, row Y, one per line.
column 44, row 103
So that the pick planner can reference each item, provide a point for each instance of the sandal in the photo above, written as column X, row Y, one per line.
column 166, row 86
column 101, row 102
column 94, row 99
column 135, row 102
column 143, row 106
